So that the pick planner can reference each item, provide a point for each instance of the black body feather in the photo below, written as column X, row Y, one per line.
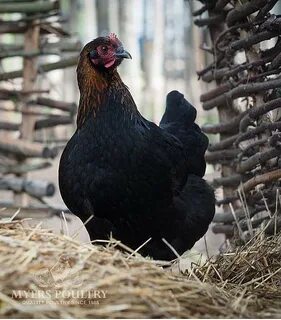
column 139, row 180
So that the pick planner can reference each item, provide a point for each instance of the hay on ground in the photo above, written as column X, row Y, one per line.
column 44, row 275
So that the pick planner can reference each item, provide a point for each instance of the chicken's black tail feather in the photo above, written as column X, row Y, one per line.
column 178, row 120
column 178, row 109
column 196, row 205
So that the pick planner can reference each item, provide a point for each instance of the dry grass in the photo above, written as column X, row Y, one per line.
column 124, row 284
column 252, row 271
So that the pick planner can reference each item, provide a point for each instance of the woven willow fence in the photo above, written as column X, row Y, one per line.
column 37, row 31
column 245, row 88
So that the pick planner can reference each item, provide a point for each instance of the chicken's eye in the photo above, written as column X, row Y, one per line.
column 104, row 49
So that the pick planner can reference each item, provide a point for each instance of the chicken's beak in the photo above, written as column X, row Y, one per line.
column 121, row 53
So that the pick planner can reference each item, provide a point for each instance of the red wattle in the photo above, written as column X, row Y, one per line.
column 109, row 63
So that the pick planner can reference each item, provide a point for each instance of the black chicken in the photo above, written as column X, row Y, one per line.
column 139, row 180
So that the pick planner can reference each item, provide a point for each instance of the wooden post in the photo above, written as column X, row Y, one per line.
column 30, row 70
column 225, row 115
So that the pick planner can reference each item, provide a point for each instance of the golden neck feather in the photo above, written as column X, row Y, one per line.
column 94, row 86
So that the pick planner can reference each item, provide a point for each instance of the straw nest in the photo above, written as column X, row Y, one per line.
column 44, row 275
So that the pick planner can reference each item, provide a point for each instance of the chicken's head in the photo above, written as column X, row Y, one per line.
column 105, row 52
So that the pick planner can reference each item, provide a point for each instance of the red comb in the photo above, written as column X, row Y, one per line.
column 113, row 38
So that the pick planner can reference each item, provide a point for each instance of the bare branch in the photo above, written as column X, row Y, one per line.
column 56, row 104
column 24, row 167
column 221, row 4
column 210, row 21
column 244, row 90
column 250, row 41
column 24, row 149
column 230, row 127
column 64, row 63
column 242, row 11
column 264, row 178
column 35, row 7
column 52, row 122
column 266, row 8
column 231, row 181
column 223, row 144
column 257, row 159
column 35, row 188
column 218, row 156
column 262, row 128
column 228, row 230
column 255, row 113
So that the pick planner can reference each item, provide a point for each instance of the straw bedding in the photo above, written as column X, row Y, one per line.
column 43, row 275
